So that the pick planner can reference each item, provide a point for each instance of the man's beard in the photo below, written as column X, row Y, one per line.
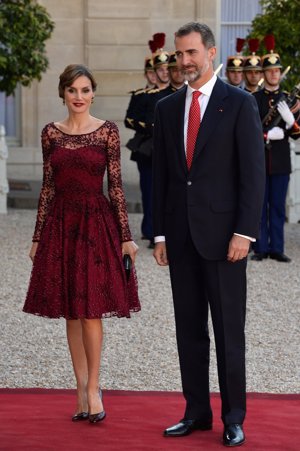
column 196, row 74
column 192, row 76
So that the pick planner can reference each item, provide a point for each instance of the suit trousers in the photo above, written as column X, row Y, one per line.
column 197, row 285
column 273, row 215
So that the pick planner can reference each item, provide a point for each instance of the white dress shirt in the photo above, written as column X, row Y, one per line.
column 203, row 100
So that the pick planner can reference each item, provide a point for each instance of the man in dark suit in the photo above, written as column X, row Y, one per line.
column 206, row 209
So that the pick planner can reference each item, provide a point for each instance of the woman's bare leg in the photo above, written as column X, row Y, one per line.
column 92, row 337
column 79, row 360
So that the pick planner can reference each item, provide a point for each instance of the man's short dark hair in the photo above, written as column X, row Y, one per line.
column 207, row 36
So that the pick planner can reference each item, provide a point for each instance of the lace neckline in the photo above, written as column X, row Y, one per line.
column 78, row 134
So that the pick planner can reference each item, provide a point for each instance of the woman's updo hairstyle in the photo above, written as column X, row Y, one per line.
column 70, row 74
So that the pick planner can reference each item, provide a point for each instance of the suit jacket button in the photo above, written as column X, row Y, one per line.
column 189, row 183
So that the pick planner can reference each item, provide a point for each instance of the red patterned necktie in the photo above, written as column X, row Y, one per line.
column 193, row 128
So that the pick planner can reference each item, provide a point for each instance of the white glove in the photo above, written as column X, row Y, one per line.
column 275, row 134
column 286, row 114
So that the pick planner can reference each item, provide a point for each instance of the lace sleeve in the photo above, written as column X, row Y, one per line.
column 47, row 191
column 115, row 189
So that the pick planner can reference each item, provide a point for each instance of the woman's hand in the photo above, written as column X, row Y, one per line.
column 33, row 250
column 130, row 248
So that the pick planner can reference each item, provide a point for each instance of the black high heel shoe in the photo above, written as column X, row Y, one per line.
column 96, row 417
column 80, row 416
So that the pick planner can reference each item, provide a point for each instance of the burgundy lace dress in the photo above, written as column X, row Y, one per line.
column 78, row 269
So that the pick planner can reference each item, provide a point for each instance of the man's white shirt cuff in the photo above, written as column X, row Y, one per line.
column 245, row 236
column 159, row 239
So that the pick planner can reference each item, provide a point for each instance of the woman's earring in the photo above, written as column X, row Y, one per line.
column 64, row 102
column 92, row 101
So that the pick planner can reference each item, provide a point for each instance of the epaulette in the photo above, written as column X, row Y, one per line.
column 137, row 91
column 153, row 91
column 287, row 93
column 140, row 91
column 130, row 121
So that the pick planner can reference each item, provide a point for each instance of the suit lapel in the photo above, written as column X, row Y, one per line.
column 180, row 125
column 213, row 114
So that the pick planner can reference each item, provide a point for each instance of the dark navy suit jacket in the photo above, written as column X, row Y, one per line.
column 223, row 192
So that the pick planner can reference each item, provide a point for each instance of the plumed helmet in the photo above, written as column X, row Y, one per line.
column 252, row 61
column 270, row 60
column 235, row 62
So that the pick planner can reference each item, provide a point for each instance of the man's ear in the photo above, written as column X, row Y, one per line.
column 212, row 53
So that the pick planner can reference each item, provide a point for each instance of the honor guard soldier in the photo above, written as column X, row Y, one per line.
column 136, row 95
column 252, row 69
column 280, row 119
column 145, row 124
column 149, row 73
column 141, row 143
column 234, row 66
column 176, row 76
column 176, row 81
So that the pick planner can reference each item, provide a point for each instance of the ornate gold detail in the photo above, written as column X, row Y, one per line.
column 163, row 57
column 272, row 59
column 237, row 62
column 254, row 61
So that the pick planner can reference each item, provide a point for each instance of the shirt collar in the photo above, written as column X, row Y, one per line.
column 268, row 92
column 205, row 89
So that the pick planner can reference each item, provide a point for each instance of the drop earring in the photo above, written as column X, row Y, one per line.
column 92, row 101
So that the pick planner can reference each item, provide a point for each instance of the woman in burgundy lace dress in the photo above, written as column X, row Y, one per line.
column 80, row 236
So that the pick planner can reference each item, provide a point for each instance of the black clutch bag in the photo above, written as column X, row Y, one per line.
column 127, row 262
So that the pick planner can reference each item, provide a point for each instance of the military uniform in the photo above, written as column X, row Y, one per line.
column 145, row 126
column 278, row 169
column 235, row 63
column 140, row 118
column 135, row 115
column 252, row 63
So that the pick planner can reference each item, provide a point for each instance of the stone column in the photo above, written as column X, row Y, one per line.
column 293, row 196
column 3, row 178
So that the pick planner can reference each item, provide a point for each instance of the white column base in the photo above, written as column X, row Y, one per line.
column 3, row 177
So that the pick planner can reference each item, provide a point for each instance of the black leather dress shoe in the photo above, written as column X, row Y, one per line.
column 233, row 435
column 279, row 257
column 259, row 256
column 185, row 427
column 80, row 416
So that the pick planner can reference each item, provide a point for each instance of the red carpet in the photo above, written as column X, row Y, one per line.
column 39, row 419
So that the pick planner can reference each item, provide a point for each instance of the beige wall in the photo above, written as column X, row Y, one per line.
column 110, row 36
